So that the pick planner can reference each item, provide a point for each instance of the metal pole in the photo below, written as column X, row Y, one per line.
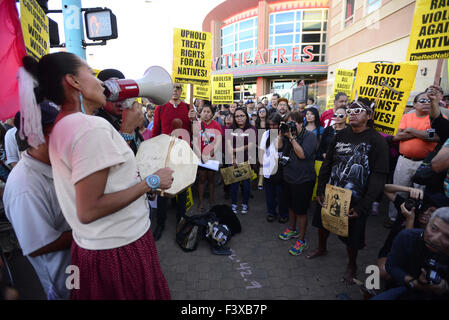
column 73, row 27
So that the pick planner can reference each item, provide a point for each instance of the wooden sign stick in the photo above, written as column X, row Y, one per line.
column 436, row 80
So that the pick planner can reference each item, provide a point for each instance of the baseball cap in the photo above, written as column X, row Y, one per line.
column 48, row 117
column 106, row 74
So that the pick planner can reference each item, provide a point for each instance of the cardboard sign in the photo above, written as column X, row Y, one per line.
column 35, row 28
column 391, row 83
column 222, row 89
column 342, row 83
column 192, row 56
column 333, row 213
column 201, row 92
column 231, row 174
column 429, row 38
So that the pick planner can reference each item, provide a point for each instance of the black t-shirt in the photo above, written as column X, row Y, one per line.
column 298, row 171
column 358, row 162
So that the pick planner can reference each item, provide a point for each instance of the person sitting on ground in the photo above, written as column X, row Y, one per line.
column 32, row 207
column 416, row 217
column 418, row 261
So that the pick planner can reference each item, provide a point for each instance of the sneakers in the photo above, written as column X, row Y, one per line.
column 244, row 209
column 288, row 234
column 298, row 248
column 234, row 208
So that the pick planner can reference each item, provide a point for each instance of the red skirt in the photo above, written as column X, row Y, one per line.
column 131, row 272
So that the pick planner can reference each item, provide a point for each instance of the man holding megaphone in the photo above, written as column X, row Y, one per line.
column 126, row 121
column 171, row 116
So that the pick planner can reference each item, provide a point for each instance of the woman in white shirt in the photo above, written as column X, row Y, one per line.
column 98, row 187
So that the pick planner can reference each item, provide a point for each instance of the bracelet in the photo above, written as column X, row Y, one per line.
column 127, row 136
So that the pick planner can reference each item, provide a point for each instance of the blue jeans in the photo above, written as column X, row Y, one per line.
column 246, row 191
column 273, row 197
column 392, row 294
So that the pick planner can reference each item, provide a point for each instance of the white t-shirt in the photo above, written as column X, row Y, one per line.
column 32, row 208
column 81, row 145
column 270, row 156
column 11, row 148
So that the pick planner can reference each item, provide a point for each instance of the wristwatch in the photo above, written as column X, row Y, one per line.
column 153, row 181
column 410, row 284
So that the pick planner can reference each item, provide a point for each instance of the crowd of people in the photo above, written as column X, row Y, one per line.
column 78, row 198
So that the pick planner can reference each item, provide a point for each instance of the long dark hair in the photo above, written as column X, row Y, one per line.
column 234, row 123
column 49, row 72
column 317, row 119
column 276, row 118
column 258, row 118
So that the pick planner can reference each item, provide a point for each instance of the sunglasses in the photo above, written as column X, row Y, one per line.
column 422, row 100
column 355, row 110
column 177, row 87
column 339, row 115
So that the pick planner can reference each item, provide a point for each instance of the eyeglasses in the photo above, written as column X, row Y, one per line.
column 339, row 115
column 422, row 100
column 240, row 116
column 355, row 110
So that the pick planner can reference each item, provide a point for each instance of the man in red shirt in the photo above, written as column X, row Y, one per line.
column 175, row 114
column 341, row 100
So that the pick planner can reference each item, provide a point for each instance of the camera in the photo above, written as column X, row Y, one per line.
column 411, row 203
column 289, row 126
column 284, row 160
column 434, row 269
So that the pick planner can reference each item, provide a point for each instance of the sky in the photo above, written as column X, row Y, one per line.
column 145, row 32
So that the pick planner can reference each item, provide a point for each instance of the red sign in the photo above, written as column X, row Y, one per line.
column 243, row 58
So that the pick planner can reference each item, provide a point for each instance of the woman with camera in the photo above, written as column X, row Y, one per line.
column 298, row 147
column 98, row 187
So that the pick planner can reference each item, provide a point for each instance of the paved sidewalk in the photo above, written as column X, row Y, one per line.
column 261, row 267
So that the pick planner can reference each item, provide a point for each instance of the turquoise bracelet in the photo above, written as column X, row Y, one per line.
column 127, row 136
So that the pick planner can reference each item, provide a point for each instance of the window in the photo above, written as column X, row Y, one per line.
column 298, row 28
column 237, row 38
column 372, row 5
column 349, row 13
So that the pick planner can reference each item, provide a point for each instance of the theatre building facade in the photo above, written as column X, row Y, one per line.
column 269, row 46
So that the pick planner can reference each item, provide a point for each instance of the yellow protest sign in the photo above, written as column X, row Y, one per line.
column 342, row 83
column 333, row 213
column 185, row 88
column 318, row 164
column 192, row 56
column 429, row 38
column 35, row 28
column 201, row 92
column 398, row 79
column 222, row 89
